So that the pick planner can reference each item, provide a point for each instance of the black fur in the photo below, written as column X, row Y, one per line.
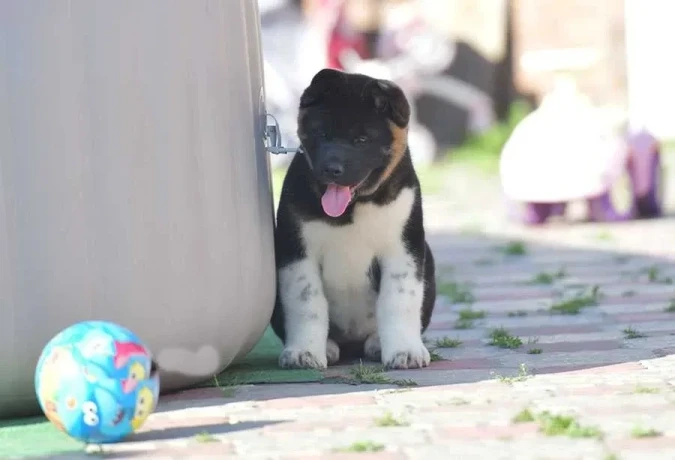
column 336, row 111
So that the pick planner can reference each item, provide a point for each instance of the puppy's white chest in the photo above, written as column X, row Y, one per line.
column 346, row 254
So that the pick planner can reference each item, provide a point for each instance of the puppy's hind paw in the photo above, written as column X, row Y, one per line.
column 332, row 352
column 372, row 349
column 294, row 358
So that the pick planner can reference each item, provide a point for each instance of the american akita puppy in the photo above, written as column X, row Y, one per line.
column 355, row 273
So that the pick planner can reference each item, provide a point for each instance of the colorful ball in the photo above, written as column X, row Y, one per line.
column 97, row 382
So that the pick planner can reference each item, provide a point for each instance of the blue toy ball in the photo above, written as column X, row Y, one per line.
column 97, row 382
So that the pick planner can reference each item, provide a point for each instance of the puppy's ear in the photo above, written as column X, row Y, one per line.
column 320, row 84
column 390, row 100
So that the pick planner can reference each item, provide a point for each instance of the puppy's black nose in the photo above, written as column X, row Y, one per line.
column 333, row 169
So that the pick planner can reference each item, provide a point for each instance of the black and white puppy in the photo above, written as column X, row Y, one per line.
column 355, row 275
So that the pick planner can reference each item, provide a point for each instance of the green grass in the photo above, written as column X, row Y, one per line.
column 522, row 375
column 513, row 248
column 604, row 235
column 467, row 314
column 405, row 383
column 558, row 425
column 639, row 389
column 362, row 447
column 671, row 307
column 641, row 432
column 447, row 342
column 434, row 356
column 566, row 425
column 229, row 388
column 18, row 439
column 630, row 333
column 524, row 416
column 374, row 375
column 369, row 374
column 456, row 292
column 576, row 304
column 388, row 420
column 534, row 351
column 205, row 437
column 501, row 338
column 464, row 324
column 468, row 317
column 654, row 275
column 545, row 278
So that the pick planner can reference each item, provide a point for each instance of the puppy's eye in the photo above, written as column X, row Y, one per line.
column 361, row 140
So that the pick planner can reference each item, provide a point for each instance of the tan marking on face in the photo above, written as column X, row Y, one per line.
column 398, row 147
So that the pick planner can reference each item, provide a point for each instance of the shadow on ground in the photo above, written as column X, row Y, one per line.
column 197, row 430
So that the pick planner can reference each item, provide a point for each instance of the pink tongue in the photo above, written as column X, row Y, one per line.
column 335, row 200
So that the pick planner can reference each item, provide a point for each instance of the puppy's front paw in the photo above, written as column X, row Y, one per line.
column 406, row 354
column 294, row 358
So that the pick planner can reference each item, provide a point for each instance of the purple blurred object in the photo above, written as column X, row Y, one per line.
column 643, row 166
column 601, row 209
column 647, row 200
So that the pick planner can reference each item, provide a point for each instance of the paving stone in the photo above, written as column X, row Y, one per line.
column 629, row 308
column 595, row 358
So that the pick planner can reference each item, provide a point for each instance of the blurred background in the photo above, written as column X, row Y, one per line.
column 475, row 68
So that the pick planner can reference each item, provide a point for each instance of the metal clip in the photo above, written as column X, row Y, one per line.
column 273, row 142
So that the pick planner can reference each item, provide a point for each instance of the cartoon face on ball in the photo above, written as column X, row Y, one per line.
column 145, row 403
column 77, row 411
column 137, row 373
column 96, row 411
column 90, row 414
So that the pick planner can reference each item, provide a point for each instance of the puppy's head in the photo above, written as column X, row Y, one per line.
column 354, row 130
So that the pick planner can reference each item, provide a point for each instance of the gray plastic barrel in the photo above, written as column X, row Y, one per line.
column 134, row 182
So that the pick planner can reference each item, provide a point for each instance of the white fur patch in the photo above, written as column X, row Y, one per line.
column 399, row 321
column 305, row 316
column 343, row 293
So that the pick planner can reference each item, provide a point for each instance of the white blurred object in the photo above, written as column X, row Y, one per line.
column 650, row 73
column 562, row 151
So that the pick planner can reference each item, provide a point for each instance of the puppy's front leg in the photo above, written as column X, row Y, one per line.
column 305, row 310
column 399, row 306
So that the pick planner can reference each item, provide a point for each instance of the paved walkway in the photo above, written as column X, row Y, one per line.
column 554, row 343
